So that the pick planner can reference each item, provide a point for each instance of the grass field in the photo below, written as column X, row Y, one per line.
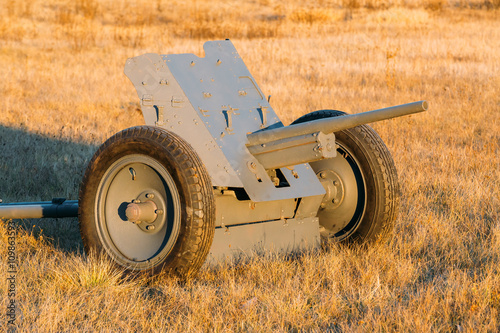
column 63, row 92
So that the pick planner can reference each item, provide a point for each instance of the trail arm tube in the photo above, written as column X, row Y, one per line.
column 336, row 124
column 57, row 208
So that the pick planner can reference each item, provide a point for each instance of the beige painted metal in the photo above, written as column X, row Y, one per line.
column 28, row 211
column 332, row 125
column 277, row 236
column 57, row 208
column 296, row 150
column 231, row 211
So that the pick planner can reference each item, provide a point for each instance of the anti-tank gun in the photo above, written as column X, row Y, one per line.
column 214, row 172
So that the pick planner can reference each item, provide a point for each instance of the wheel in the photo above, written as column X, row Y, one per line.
column 361, row 185
column 146, row 201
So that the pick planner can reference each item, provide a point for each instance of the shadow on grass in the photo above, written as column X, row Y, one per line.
column 34, row 167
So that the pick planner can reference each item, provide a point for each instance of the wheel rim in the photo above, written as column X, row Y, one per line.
column 140, row 179
column 344, row 205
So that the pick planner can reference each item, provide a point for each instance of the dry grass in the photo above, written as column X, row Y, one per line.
column 62, row 92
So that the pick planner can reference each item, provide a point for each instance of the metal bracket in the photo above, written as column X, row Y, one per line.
column 147, row 99
column 177, row 102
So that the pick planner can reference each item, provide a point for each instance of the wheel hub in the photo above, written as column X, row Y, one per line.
column 334, row 187
column 138, row 212
column 147, row 211
column 343, row 204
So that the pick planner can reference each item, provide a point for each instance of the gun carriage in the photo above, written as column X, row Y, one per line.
column 214, row 172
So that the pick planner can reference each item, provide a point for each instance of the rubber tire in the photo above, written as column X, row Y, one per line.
column 381, row 181
column 193, row 185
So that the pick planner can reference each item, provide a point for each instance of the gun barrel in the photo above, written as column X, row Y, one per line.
column 336, row 124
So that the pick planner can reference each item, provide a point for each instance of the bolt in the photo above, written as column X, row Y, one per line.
column 150, row 195
column 333, row 200
column 335, row 183
column 150, row 227
column 323, row 205
column 322, row 174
